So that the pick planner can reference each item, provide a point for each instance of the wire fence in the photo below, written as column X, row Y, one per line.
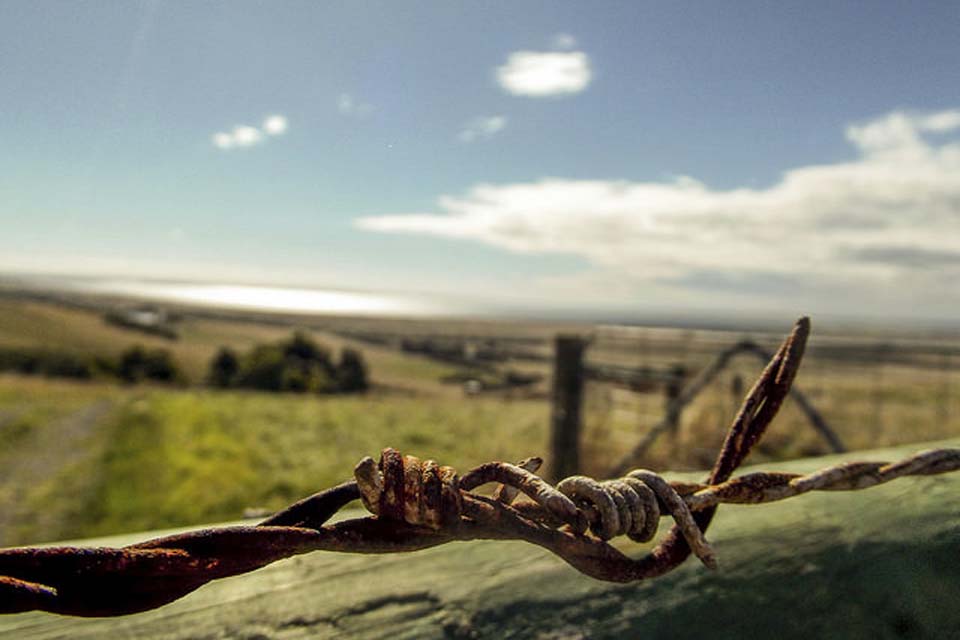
column 416, row 504
column 870, row 391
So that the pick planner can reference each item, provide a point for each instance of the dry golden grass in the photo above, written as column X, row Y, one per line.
column 867, row 405
column 51, row 326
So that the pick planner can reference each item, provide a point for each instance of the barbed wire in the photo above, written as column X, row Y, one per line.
column 416, row 504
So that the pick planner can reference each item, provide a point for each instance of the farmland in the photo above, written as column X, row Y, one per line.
column 84, row 458
column 90, row 457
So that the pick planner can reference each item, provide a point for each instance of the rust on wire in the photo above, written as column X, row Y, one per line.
column 416, row 504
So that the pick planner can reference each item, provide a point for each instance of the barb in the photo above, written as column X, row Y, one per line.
column 418, row 504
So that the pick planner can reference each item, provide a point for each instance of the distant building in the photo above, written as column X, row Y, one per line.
column 147, row 318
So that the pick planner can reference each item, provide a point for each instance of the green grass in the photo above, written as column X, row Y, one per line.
column 51, row 432
column 90, row 458
column 155, row 457
column 87, row 458
column 163, row 457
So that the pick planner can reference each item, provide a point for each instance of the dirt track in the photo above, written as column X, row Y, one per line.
column 42, row 454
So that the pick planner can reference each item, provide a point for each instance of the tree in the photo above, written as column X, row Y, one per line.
column 131, row 364
column 296, row 364
column 262, row 368
column 307, row 376
column 303, row 347
column 137, row 364
column 351, row 371
column 159, row 365
column 224, row 368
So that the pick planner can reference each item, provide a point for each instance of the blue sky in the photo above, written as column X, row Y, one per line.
column 639, row 156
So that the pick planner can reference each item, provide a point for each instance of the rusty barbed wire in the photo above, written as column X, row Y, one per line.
column 416, row 504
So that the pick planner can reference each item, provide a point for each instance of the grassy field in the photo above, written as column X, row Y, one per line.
column 84, row 459
column 41, row 324
column 90, row 458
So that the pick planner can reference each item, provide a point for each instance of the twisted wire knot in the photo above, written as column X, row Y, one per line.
column 420, row 492
column 632, row 506
column 406, row 488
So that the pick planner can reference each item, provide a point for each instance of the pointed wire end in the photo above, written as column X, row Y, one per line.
column 370, row 483
column 704, row 552
column 710, row 562
column 791, row 352
column 531, row 464
column 801, row 329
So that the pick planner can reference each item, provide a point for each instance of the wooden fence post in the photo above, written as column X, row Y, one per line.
column 672, row 389
column 565, row 417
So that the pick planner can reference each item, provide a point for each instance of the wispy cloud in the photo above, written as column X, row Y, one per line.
column 350, row 105
column 563, row 41
column 222, row 140
column 482, row 128
column 244, row 135
column 889, row 217
column 545, row 73
column 239, row 136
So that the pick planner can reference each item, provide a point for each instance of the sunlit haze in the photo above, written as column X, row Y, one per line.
column 268, row 298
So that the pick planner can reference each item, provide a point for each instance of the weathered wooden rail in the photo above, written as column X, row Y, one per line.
column 883, row 563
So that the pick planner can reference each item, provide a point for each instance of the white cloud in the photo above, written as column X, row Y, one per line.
column 900, row 133
column 883, row 226
column 275, row 125
column 244, row 135
column 349, row 105
column 482, row 128
column 540, row 74
column 222, row 140
column 563, row 41
column 941, row 122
